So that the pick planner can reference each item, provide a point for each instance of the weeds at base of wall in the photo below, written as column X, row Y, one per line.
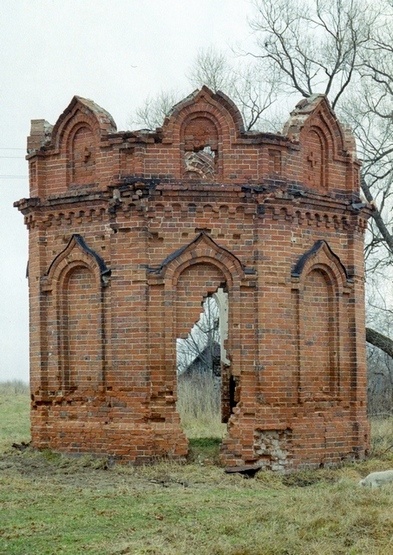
column 199, row 408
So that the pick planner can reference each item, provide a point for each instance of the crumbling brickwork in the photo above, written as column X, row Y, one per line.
column 130, row 231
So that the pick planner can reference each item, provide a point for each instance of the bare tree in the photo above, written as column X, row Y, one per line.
column 253, row 90
column 380, row 382
column 371, row 116
column 343, row 48
column 314, row 44
column 153, row 111
column 372, row 119
column 379, row 352
column 212, row 68
column 201, row 349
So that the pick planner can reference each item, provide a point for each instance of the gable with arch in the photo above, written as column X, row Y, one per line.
column 325, row 145
column 204, row 125
column 76, row 138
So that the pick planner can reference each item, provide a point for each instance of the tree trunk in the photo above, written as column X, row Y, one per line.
column 381, row 341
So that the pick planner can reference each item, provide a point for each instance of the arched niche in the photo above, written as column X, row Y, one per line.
column 202, row 248
column 200, row 267
column 200, row 136
column 323, row 142
column 73, row 287
column 321, row 288
column 76, row 137
column 318, row 345
column 315, row 160
column 81, row 110
column 76, row 250
column 79, row 311
column 203, row 125
column 81, row 154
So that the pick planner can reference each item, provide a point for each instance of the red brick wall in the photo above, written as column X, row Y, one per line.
column 319, row 336
column 129, row 232
column 80, row 329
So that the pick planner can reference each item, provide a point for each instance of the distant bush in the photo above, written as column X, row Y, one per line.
column 14, row 387
column 381, row 436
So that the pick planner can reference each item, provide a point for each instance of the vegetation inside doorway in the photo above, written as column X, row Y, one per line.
column 199, row 363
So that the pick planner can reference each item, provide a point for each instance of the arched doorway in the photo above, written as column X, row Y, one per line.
column 203, row 370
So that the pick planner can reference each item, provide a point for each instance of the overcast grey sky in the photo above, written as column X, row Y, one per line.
column 115, row 52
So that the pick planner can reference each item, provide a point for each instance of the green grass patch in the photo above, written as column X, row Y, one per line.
column 14, row 413
column 205, row 450
column 52, row 504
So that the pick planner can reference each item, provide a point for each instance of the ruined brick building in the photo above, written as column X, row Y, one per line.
column 130, row 231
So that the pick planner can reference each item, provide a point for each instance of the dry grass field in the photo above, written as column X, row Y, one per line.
column 52, row 504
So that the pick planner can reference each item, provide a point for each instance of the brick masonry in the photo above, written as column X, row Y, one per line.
column 129, row 231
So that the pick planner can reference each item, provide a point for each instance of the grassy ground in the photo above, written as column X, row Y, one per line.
column 50, row 504
column 199, row 408
column 14, row 413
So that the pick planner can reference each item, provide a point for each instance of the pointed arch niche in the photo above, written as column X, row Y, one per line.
column 321, row 289
column 76, row 137
column 200, row 136
column 203, row 126
column 81, row 154
column 325, row 146
column 74, row 283
column 316, row 160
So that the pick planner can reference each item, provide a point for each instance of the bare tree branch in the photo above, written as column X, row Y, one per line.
column 379, row 340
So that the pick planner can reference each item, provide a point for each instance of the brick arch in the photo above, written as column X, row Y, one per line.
column 198, row 130
column 76, row 138
column 321, row 283
column 190, row 275
column 205, row 102
column 203, row 127
column 318, row 378
column 204, row 250
column 321, row 256
column 194, row 283
column 79, row 331
column 201, row 146
column 76, row 252
column 315, row 159
column 316, row 112
column 197, row 269
column 81, row 110
column 325, row 146
column 74, row 291
column 81, row 149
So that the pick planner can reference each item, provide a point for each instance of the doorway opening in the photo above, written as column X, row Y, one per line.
column 202, row 369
